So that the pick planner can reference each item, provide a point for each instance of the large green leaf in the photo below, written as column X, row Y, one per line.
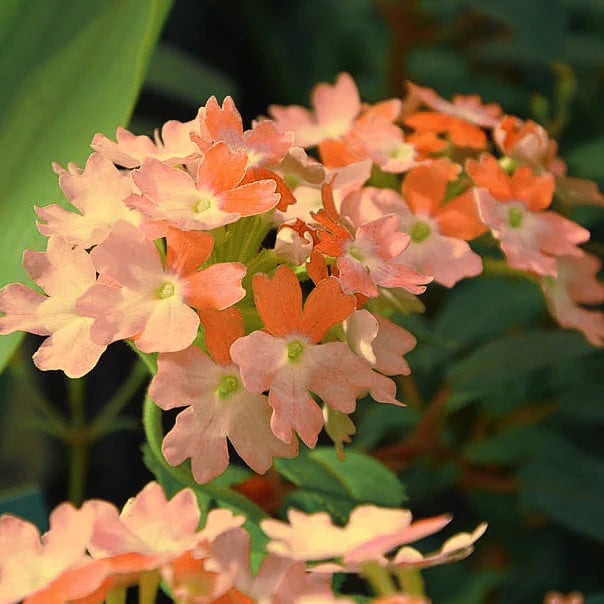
column 337, row 486
column 568, row 486
column 68, row 70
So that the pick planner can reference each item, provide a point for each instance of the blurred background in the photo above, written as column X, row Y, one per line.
column 540, row 59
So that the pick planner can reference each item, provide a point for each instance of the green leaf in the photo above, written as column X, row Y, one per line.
column 511, row 446
column 68, row 70
column 27, row 504
column 568, row 486
column 513, row 357
column 176, row 73
column 337, row 486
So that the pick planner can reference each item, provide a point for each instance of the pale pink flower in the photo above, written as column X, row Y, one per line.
column 370, row 258
column 98, row 193
column 293, row 245
column 371, row 532
column 279, row 579
column 455, row 548
column 287, row 360
column 437, row 230
column 217, row 195
column 173, row 147
column 152, row 531
column 264, row 144
column 219, row 407
column 379, row 341
column 577, row 284
column 469, row 108
column 65, row 273
column 150, row 303
column 52, row 569
column 513, row 208
column 375, row 137
column 308, row 195
column 336, row 107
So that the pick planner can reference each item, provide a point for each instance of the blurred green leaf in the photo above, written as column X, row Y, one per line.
column 511, row 446
column 567, row 486
column 513, row 357
column 587, row 160
column 68, row 70
column 178, row 74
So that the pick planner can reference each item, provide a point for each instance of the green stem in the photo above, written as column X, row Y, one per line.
column 154, row 434
column 149, row 360
column 102, row 422
column 379, row 578
column 411, row 581
column 116, row 596
column 78, row 441
column 147, row 587
column 21, row 371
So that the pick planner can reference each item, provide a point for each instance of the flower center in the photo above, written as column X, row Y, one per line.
column 356, row 253
column 227, row 386
column 420, row 231
column 515, row 217
column 203, row 204
column 294, row 350
column 165, row 290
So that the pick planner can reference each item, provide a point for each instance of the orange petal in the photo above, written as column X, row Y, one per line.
column 425, row 186
column 464, row 134
column 428, row 121
column 535, row 191
column 489, row 174
column 217, row 286
column 222, row 328
column 286, row 196
column 335, row 153
column 187, row 250
column 221, row 169
column 279, row 300
column 317, row 267
column 426, row 142
column 247, row 200
column 223, row 123
column 327, row 305
column 459, row 218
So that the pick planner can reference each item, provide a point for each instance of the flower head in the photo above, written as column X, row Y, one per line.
column 150, row 302
column 219, row 406
column 65, row 273
column 287, row 359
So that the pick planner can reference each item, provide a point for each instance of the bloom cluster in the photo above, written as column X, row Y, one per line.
column 257, row 269
column 164, row 246
column 92, row 553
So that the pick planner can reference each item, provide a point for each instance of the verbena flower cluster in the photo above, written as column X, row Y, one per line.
column 92, row 553
column 261, row 278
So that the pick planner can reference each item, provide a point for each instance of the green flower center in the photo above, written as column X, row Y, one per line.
column 515, row 217
column 203, row 204
column 294, row 350
column 292, row 181
column 355, row 252
column 165, row 290
column 420, row 231
column 228, row 386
